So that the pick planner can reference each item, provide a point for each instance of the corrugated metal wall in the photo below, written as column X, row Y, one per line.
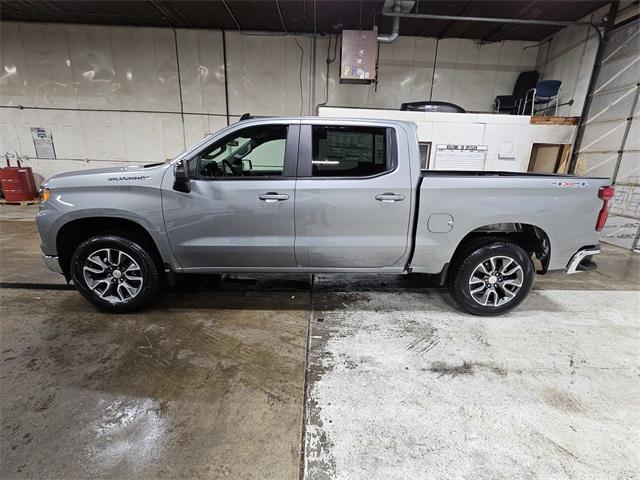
column 611, row 142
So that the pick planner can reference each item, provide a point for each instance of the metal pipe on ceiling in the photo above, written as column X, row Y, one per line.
column 428, row 16
column 395, row 30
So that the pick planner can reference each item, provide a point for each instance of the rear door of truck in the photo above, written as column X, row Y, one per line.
column 353, row 195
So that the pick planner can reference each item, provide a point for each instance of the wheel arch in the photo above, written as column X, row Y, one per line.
column 532, row 238
column 74, row 232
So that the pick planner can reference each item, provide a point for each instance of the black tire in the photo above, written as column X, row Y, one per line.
column 134, row 252
column 474, row 261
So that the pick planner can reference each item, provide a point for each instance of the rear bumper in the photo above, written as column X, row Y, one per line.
column 52, row 263
column 579, row 256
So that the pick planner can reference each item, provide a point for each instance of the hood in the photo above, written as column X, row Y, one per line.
column 124, row 175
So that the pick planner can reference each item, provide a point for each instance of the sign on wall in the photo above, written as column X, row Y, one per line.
column 460, row 157
column 43, row 142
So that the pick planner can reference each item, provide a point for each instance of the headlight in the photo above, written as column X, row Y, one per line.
column 45, row 193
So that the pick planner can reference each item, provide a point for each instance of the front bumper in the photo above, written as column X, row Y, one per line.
column 579, row 256
column 52, row 263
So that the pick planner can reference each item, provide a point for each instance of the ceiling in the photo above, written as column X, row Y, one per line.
column 321, row 16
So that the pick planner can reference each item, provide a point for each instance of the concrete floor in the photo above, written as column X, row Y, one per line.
column 399, row 383
column 20, row 261
column 549, row 391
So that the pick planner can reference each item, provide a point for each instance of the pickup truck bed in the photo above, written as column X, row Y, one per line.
column 562, row 209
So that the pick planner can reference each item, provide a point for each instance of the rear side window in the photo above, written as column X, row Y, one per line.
column 340, row 151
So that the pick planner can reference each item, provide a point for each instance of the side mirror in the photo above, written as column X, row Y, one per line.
column 181, row 182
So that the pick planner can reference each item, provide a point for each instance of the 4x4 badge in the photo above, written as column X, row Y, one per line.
column 569, row 183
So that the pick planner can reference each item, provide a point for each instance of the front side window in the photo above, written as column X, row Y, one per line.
column 252, row 152
column 344, row 151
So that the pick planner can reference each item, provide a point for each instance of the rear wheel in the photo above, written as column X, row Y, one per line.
column 491, row 278
column 115, row 273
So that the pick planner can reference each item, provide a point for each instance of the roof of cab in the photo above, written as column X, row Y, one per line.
column 332, row 120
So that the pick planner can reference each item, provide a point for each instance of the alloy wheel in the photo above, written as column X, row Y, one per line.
column 496, row 281
column 112, row 275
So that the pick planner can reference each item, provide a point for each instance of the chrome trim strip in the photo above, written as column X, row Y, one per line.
column 52, row 263
column 572, row 267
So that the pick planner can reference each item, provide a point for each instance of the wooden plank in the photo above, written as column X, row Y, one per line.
column 23, row 203
column 542, row 120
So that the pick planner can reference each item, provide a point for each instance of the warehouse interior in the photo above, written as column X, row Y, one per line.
column 314, row 375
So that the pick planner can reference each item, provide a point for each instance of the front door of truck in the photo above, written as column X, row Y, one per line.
column 239, row 210
column 353, row 197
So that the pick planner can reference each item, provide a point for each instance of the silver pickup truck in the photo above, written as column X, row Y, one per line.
column 316, row 195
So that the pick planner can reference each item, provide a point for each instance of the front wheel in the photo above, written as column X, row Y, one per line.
column 492, row 278
column 115, row 273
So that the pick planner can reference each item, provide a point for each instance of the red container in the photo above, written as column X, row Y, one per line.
column 18, row 184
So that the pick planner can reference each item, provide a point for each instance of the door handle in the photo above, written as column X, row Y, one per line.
column 271, row 197
column 389, row 197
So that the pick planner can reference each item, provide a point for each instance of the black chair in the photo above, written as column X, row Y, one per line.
column 510, row 103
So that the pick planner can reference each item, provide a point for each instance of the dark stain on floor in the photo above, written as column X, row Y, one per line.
column 466, row 368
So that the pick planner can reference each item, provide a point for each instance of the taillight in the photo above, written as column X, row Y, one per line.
column 606, row 194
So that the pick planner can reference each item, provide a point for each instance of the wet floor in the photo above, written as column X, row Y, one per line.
column 210, row 387
column 211, row 382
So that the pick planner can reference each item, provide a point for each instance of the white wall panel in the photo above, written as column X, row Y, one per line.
column 471, row 74
column 264, row 74
column 569, row 56
column 467, row 133
column 199, row 126
column 121, row 136
column 201, row 59
column 467, row 74
column 505, row 141
column 405, row 70
column 584, row 77
column 80, row 66
column 145, row 69
column 564, row 56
